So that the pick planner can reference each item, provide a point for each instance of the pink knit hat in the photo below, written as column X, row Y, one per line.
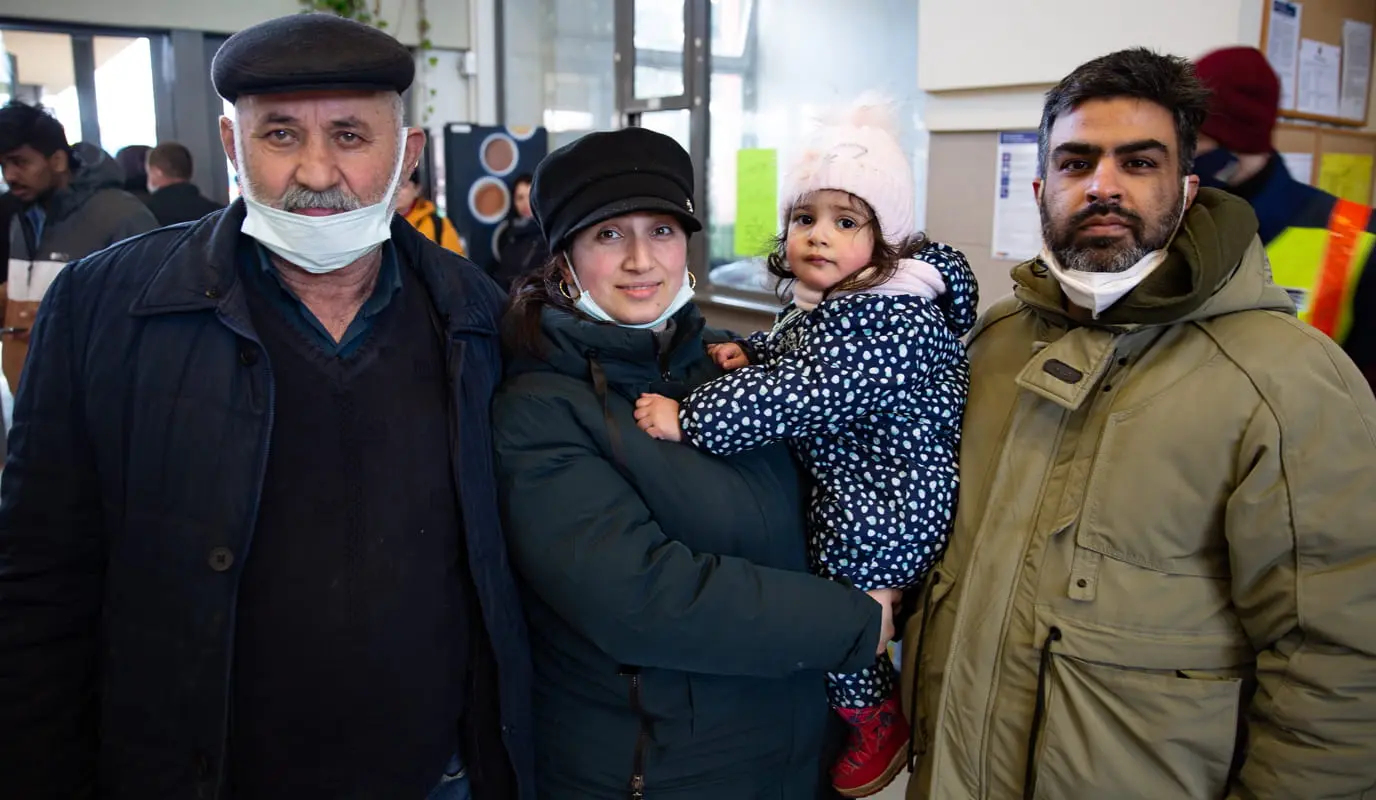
column 856, row 150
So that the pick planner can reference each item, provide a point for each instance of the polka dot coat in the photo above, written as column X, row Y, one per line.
column 869, row 390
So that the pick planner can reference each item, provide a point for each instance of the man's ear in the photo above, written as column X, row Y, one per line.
column 60, row 161
column 1191, row 190
column 1037, row 184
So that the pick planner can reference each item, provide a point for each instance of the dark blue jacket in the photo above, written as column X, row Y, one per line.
column 129, row 501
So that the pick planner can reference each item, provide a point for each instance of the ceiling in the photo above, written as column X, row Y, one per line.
column 45, row 59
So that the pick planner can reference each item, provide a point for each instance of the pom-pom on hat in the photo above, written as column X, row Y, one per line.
column 856, row 150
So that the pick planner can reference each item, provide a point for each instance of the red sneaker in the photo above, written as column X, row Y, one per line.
column 875, row 753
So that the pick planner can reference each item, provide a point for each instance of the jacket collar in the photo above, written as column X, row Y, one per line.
column 197, row 273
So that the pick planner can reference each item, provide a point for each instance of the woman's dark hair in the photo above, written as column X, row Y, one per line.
column 529, row 296
column 883, row 260
column 524, row 177
column 1167, row 81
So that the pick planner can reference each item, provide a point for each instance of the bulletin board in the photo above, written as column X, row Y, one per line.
column 1322, row 84
column 1341, row 162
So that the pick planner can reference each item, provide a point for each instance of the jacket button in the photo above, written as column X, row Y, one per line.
column 221, row 559
column 1082, row 583
column 212, row 293
column 248, row 356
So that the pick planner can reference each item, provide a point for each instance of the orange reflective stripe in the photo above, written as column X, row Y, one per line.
column 1346, row 224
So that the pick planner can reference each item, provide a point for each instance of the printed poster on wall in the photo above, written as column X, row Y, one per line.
column 481, row 162
column 1017, row 223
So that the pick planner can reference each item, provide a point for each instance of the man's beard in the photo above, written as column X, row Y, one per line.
column 1103, row 253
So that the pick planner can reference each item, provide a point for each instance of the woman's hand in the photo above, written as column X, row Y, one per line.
column 889, row 600
column 728, row 356
column 658, row 416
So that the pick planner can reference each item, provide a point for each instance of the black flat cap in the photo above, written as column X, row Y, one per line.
column 605, row 175
column 305, row 52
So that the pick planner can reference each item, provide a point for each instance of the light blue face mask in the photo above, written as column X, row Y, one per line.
column 589, row 306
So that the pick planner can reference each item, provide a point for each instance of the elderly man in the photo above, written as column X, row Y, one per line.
column 249, row 544
column 1162, row 579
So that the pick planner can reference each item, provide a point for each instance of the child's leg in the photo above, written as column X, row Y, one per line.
column 868, row 702
column 867, row 688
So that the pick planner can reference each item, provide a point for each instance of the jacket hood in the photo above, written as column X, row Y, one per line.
column 570, row 343
column 97, row 171
column 420, row 209
column 1216, row 265
column 960, row 303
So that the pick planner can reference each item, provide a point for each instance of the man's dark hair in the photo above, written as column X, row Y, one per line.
column 22, row 124
column 173, row 160
column 1168, row 81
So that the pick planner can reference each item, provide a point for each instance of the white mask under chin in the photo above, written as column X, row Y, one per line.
column 1099, row 291
column 589, row 306
column 321, row 245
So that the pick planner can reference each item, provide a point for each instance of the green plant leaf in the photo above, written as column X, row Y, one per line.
column 434, row 61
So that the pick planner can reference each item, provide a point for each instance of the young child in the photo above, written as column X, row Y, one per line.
column 865, row 375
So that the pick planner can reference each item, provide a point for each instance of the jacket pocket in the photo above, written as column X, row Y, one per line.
column 1112, row 730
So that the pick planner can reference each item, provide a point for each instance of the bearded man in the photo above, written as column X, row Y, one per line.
column 1163, row 574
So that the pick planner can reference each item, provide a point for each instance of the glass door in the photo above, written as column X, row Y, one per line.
column 661, row 83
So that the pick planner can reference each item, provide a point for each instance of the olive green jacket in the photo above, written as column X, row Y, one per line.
column 1162, row 581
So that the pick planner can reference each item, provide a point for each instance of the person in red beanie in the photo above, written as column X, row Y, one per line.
column 1320, row 247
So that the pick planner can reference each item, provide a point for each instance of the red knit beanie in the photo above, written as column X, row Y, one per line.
column 1245, row 101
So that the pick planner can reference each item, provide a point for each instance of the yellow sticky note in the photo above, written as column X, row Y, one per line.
column 1346, row 175
column 757, row 201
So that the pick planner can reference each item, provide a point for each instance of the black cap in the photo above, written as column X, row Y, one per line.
column 305, row 52
column 605, row 175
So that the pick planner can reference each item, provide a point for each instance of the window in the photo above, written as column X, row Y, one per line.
column 773, row 68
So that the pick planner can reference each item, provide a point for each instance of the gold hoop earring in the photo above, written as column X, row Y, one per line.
column 692, row 281
column 564, row 290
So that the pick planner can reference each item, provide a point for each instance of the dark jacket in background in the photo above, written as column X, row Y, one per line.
column 92, row 213
column 521, row 250
column 180, row 202
column 130, row 501
column 668, row 589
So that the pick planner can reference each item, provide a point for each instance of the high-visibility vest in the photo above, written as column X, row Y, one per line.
column 1320, row 267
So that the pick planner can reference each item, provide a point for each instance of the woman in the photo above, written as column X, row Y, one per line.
column 681, row 644
column 521, row 246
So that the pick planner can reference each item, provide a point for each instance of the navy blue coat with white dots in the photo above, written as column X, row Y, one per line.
column 869, row 390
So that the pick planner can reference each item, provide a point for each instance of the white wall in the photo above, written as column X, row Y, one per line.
column 449, row 19
column 988, row 62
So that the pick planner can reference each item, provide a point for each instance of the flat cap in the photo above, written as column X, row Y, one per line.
column 305, row 52
column 604, row 175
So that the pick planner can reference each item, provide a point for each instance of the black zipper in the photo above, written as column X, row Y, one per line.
column 1029, row 785
column 642, row 737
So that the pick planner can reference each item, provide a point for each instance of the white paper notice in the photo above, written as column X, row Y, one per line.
column 1017, row 223
column 1356, row 80
column 1320, row 68
column 1282, row 47
column 1300, row 165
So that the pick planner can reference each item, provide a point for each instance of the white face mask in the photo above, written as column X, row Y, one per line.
column 1098, row 291
column 589, row 306
column 320, row 245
